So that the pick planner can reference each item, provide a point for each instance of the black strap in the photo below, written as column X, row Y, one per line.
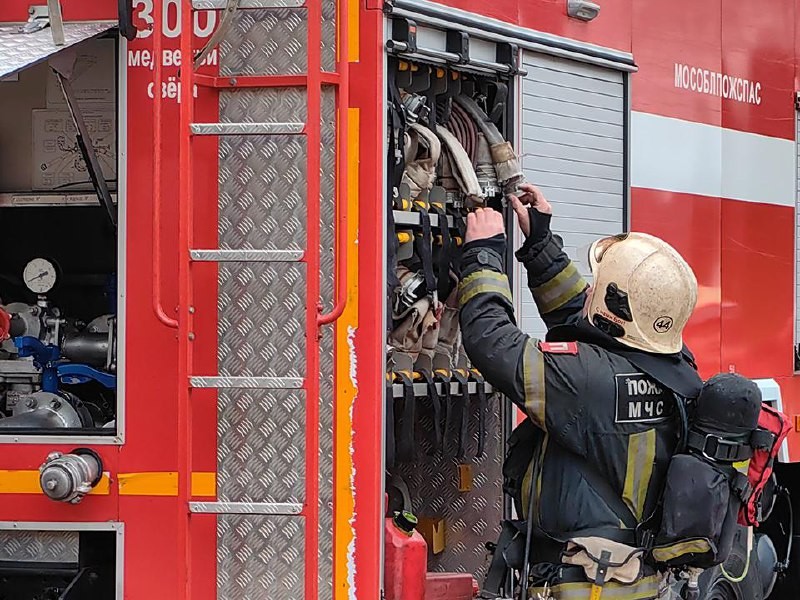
column 395, row 164
column 499, row 569
column 444, row 378
column 602, row 568
column 436, row 400
column 718, row 448
column 424, row 248
column 483, row 407
column 405, row 441
column 761, row 439
column 444, row 254
column 740, row 485
column 463, row 431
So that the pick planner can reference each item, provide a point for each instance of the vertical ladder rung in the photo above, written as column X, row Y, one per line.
column 247, row 128
column 247, row 508
column 265, row 256
column 264, row 383
column 247, row 4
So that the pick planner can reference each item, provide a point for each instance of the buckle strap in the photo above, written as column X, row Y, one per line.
column 762, row 439
column 717, row 448
column 740, row 485
column 436, row 400
column 483, row 407
column 462, row 377
column 405, row 443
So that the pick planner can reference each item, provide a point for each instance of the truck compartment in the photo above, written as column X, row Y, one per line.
column 59, row 259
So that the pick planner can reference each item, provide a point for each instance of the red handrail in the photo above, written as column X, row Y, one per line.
column 158, row 309
column 342, row 106
column 184, row 412
column 312, row 260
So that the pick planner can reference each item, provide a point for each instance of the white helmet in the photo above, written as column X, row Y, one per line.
column 643, row 292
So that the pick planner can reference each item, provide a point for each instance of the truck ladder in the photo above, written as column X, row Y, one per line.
column 312, row 81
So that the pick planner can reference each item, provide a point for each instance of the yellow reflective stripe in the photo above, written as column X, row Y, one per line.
column 204, row 484
column 157, row 483
column 533, row 379
column 27, row 482
column 161, row 483
column 559, row 290
column 148, row 484
column 641, row 457
column 644, row 589
column 484, row 289
column 538, row 459
column 673, row 551
column 483, row 282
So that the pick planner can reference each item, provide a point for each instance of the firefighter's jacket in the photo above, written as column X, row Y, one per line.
column 605, row 428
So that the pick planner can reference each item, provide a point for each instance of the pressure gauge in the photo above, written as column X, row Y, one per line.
column 39, row 275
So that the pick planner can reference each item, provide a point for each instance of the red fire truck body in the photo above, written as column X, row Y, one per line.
column 701, row 106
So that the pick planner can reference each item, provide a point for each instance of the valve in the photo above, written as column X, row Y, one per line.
column 69, row 477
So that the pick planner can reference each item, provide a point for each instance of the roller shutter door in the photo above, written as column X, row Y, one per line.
column 573, row 147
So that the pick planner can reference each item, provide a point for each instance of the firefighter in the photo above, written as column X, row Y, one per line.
column 586, row 467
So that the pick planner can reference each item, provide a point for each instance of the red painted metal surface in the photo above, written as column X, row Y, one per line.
column 264, row 81
column 757, row 250
column 692, row 226
column 742, row 252
column 366, row 85
column 158, row 145
column 185, row 308
column 612, row 28
column 342, row 107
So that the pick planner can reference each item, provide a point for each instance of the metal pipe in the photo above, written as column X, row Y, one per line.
column 184, row 412
column 342, row 111
column 158, row 308
column 312, row 260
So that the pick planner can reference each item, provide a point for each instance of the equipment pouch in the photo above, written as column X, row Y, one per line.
column 604, row 560
column 698, row 522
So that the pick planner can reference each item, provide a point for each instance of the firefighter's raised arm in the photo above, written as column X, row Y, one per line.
column 512, row 361
column 553, row 279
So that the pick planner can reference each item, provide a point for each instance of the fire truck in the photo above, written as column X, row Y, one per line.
column 204, row 224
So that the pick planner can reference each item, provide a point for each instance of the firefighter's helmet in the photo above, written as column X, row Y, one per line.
column 643, row 292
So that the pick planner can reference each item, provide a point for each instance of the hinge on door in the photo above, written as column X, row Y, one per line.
column 797, row 100
column 38, row 19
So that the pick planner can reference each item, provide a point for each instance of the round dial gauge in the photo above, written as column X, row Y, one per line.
column 39, row 275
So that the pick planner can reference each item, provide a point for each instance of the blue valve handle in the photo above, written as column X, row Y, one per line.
column 46, row 357
column 75, row 373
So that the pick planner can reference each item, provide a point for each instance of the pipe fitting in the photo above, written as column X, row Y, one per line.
column 69, row 477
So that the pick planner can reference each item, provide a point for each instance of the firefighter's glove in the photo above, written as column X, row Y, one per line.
column 533, row 212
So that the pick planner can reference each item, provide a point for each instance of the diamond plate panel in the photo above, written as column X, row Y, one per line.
column 274, row 42
column 260, row 457
column 21, row 50
column 326, row 466
column 262, row 180
column 261, row 320
column 39, row 546
column 261, row 439
column 259, row 558
column 471, row 518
